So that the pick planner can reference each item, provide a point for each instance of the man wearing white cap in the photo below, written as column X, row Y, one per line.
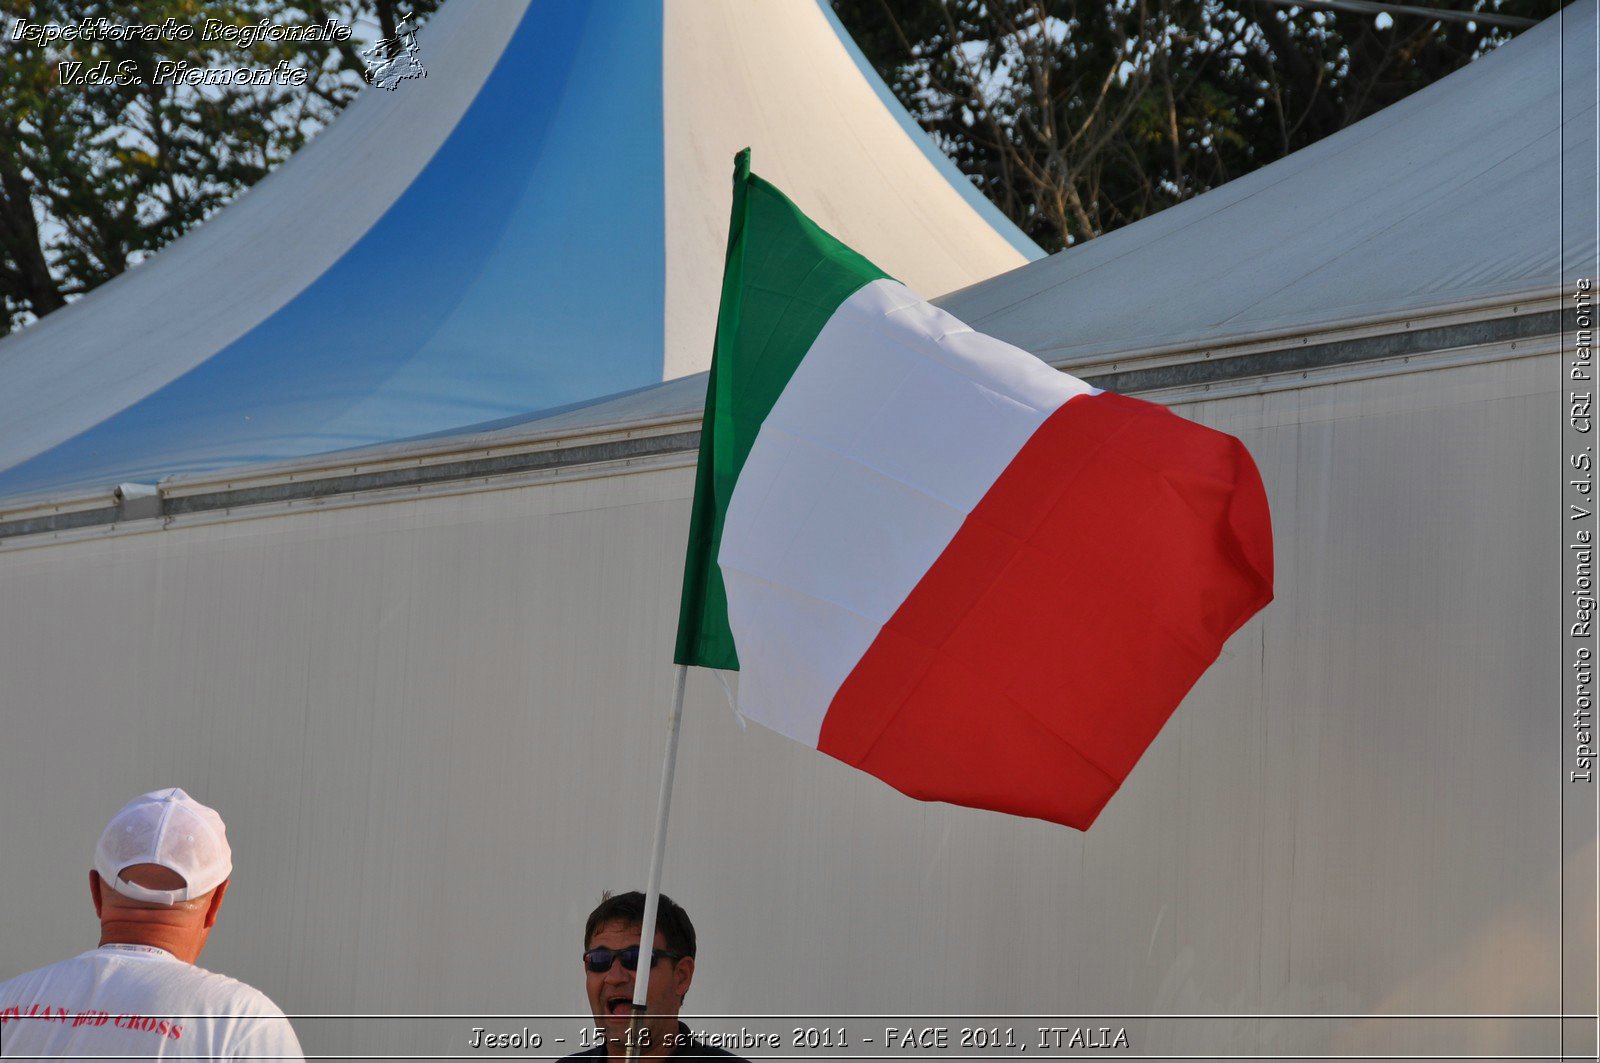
column 160, row 872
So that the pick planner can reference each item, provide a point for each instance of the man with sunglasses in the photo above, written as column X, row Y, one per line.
column 611, row 940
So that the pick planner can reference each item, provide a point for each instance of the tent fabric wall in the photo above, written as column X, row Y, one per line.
column 434, row 727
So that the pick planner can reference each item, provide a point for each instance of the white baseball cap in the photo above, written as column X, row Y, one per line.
column 172, row 829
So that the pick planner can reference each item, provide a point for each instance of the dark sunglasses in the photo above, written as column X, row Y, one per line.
column 599, row 961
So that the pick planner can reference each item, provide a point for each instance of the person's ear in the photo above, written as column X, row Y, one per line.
column 94, row 891
column 216, row 904
column 682, row 975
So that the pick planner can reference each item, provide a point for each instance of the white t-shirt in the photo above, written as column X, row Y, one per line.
column 137, row 1002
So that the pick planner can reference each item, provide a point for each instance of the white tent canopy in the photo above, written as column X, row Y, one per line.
column 1452, row 196
column 538, row 221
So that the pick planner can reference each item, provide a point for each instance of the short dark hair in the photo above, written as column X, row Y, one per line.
column 671, row 920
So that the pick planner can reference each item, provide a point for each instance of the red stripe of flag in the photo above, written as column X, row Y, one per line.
column 1076, row 606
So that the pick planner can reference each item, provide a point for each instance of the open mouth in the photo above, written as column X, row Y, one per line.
column 619, row 1005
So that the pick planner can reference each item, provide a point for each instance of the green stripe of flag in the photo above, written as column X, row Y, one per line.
column 783, row 279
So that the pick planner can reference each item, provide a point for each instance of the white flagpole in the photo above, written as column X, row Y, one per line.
column 652, row 896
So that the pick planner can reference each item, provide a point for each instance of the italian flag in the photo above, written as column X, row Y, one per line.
column 932, row 556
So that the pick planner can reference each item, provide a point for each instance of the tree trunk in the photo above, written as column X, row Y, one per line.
column 30, row 283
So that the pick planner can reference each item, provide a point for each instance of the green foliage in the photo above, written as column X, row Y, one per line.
column 94, row 176
column 1079, row 116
